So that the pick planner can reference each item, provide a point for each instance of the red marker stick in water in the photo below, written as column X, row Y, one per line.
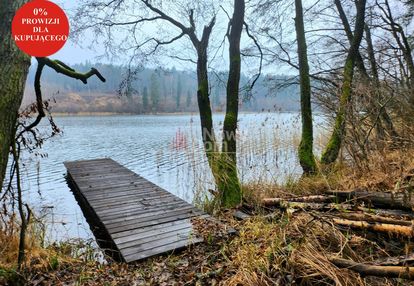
column 40, row 28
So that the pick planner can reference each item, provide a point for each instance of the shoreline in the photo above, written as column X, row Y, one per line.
column 66, row 114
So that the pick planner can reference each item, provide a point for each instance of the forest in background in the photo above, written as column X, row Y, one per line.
column 156, row 91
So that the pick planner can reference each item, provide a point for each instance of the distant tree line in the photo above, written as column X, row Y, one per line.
column 158, row 90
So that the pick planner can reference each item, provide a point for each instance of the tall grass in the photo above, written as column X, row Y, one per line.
column 266, row 153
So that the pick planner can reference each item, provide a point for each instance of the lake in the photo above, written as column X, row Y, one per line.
column 165, row 149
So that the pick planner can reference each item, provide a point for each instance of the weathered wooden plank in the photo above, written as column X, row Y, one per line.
column 139, row 231
column 121, row 187
column 115, row 189
column 92, row 174
column 90, row 162
column 132, row 194
column 108, row 183
column 140, row 218
column 143, row 216
column 149, row 232
column 133, row 211
column 136, row 209
column 156, row 240
column 97, row 169
column 148, row 200
column 99, row 173
column 161, row 249
column 178, row 216
column 137, row 206
column 94, row 167
column 93, row 180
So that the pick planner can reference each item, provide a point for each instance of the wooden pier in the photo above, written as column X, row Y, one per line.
column 131, row 217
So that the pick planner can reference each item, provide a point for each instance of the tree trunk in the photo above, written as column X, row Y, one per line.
column 268, row 202
column 365, row 76
column 14, row 66
column 359, row 62
column 204, row 107
column 230, row 186
column 374, row 70
column 369, row 218
column 374, row 270
column 394, row 229
column 331, row 152
column 306, row 157
column 399, row 200
column 404, row 45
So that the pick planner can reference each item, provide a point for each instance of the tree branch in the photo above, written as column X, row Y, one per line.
column 261, row 55
column 59, row 67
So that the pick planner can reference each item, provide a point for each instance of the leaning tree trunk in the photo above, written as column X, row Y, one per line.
column 230, row 185
column 14, row 66
column 385, row 117
column 359, row 63
column 331, row 151
column 306, row 158
column 403, row 44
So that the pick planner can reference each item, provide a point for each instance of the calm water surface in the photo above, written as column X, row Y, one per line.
column 164, row 149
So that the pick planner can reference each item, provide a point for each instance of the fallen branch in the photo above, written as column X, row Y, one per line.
column 308, row 199
column 400, row 200
column 373, row 218
column 375, row 226
column 389, row 213
column 394, row 261
column 375, row 270
column 285, row 204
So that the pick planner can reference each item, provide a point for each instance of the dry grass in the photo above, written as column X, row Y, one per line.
column 293, row 251
column 286, row 249
column 38, row 259
column 9, row 241
column 386, row 170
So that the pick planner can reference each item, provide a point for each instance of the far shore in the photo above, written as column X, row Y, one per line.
column 67, row 114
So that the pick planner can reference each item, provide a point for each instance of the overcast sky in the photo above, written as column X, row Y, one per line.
column 73, row 53
column 80, row 52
